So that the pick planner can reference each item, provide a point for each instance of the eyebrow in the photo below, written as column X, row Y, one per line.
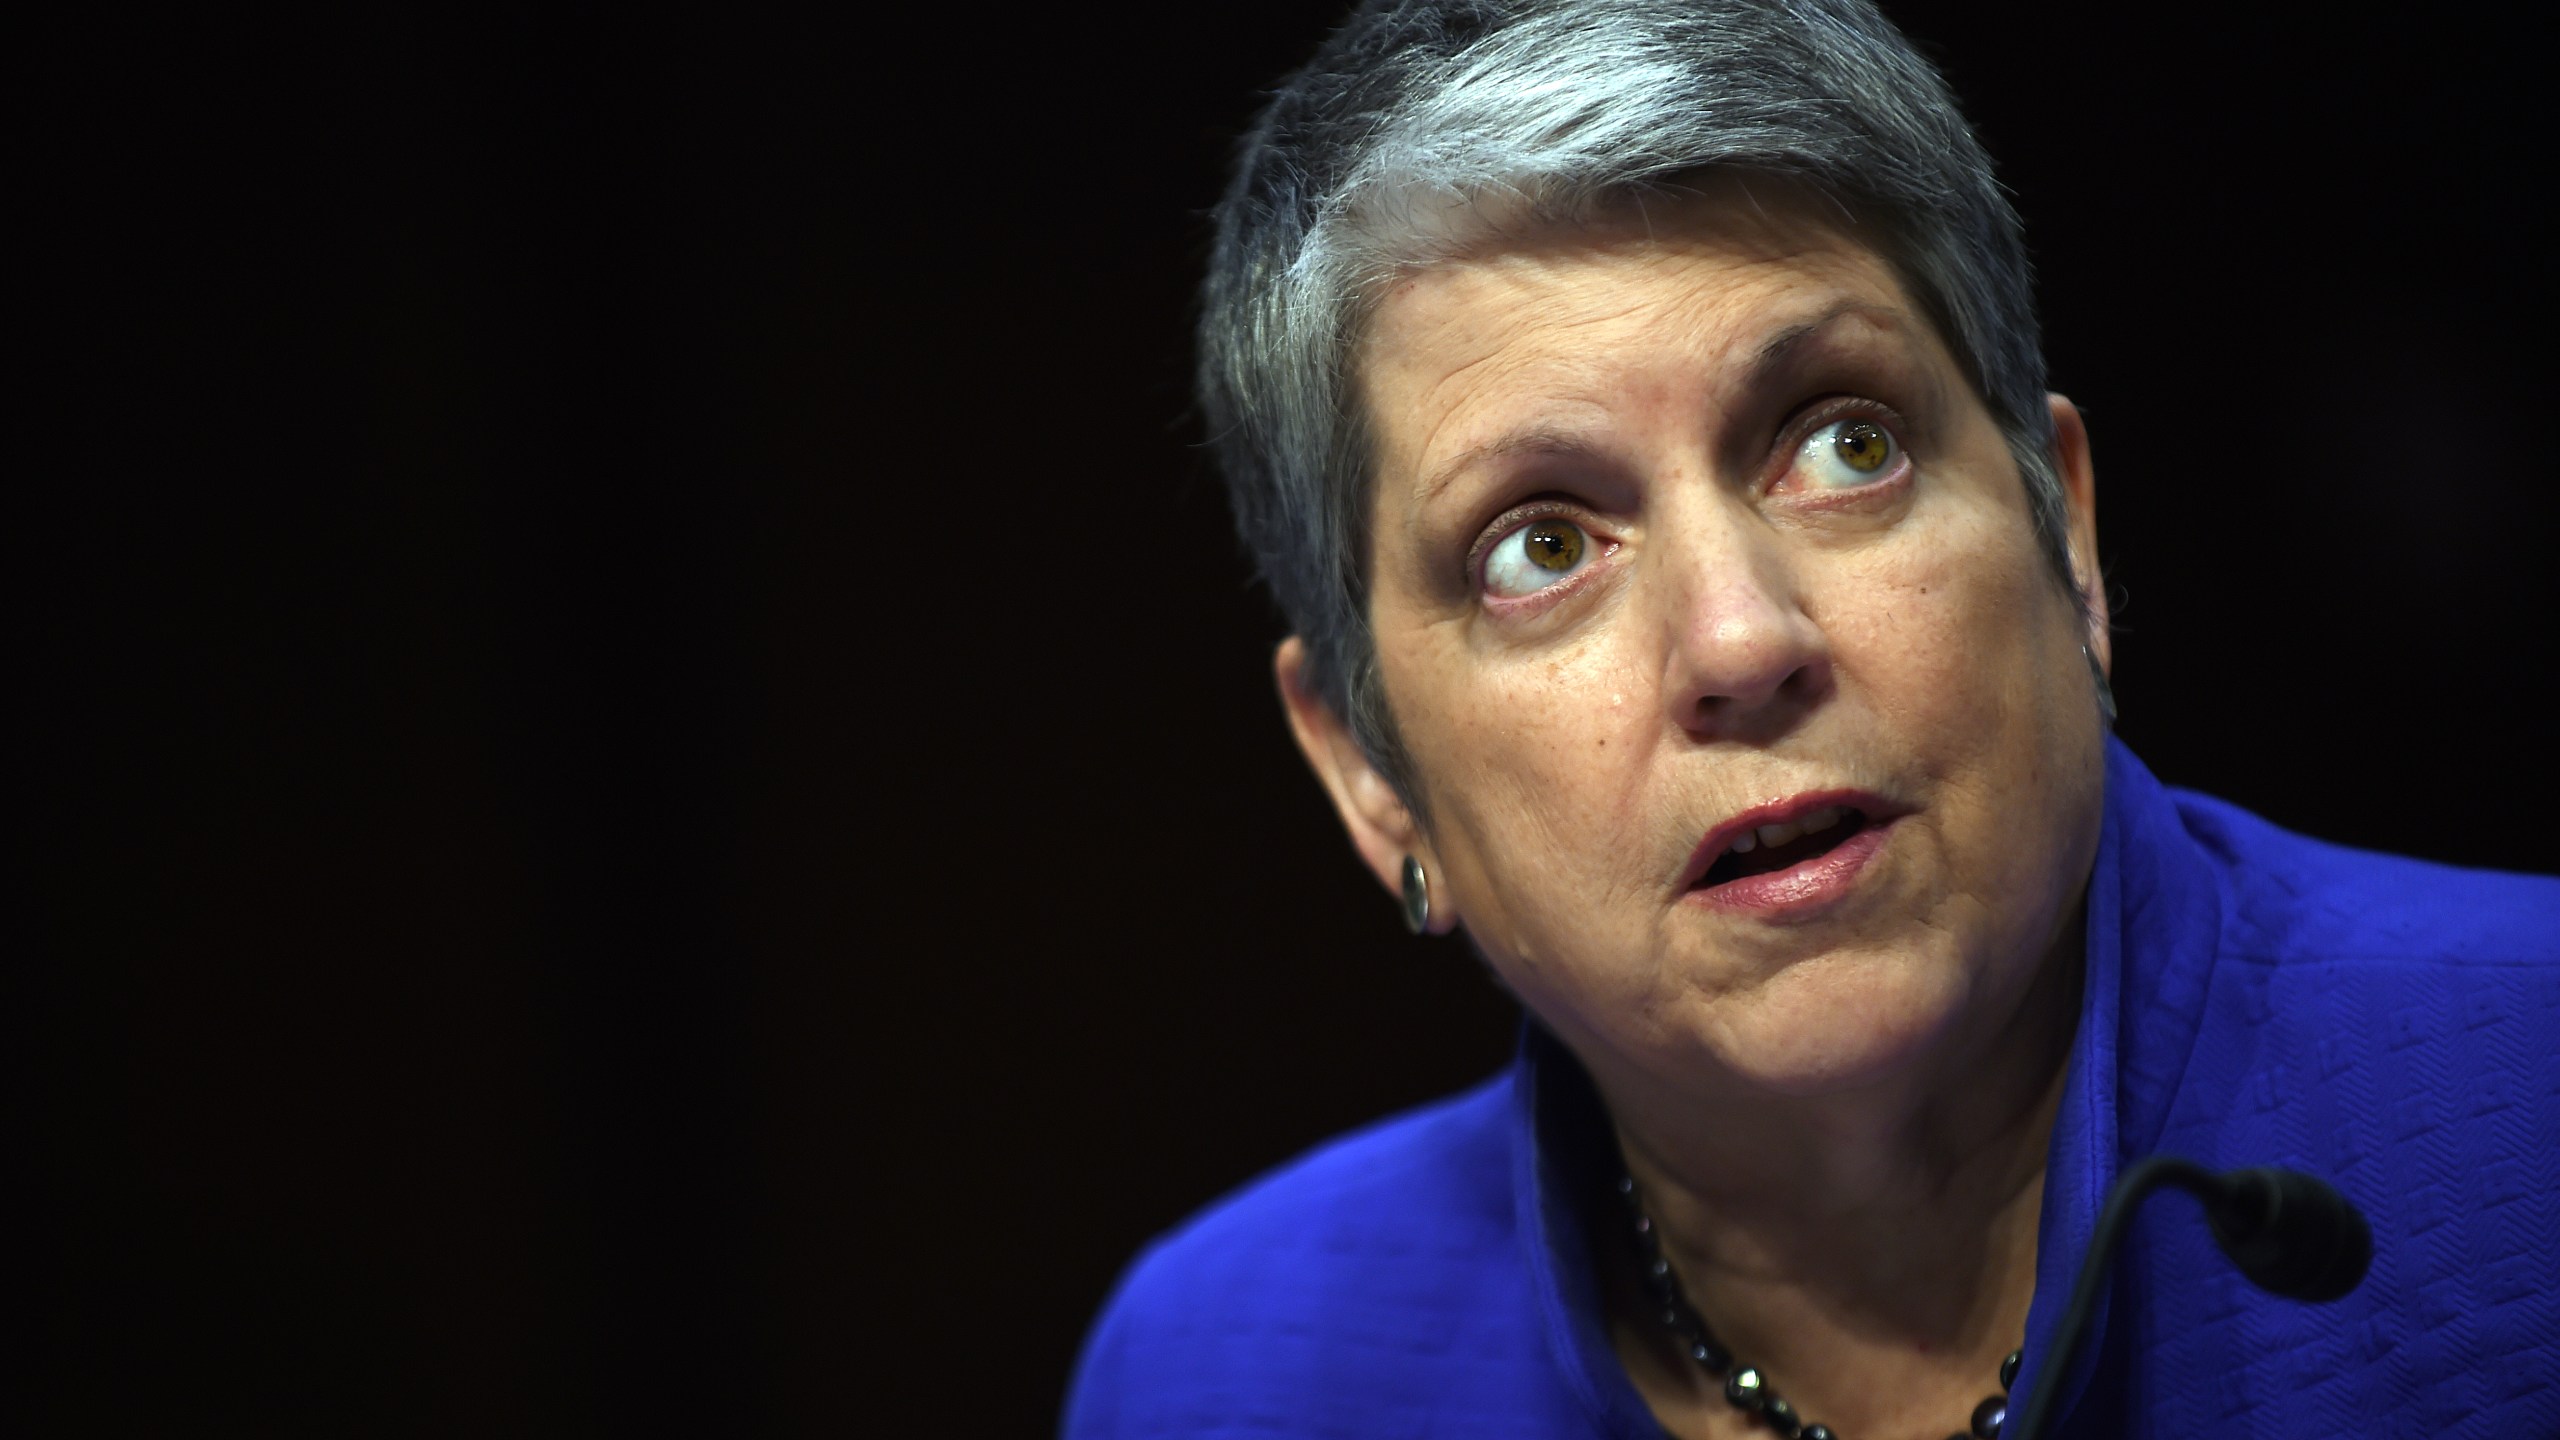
column 1538, row 440
column 1776, row 352
column 1772, row 357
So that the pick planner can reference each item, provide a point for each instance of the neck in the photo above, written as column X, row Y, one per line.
column 1905, row 1210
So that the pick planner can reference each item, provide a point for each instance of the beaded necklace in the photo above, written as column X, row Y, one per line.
column 1745, row 1387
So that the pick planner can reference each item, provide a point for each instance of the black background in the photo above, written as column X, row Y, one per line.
column 652, row 795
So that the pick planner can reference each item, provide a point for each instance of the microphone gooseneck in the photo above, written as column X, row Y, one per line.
column 2290, row 1233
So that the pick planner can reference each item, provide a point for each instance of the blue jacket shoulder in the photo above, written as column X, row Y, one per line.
column 1260, row 1298
column 2291, row 896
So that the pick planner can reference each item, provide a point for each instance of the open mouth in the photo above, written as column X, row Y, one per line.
column 1767, row 849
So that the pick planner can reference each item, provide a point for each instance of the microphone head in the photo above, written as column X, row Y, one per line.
column 2290, row 1233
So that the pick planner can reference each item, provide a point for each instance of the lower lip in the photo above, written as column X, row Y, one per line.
column 1802, row 889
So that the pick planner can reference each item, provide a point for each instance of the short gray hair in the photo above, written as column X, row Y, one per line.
column 1421, row 121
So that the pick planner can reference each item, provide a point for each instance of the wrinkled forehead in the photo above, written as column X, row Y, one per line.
column 1711, row 274
column 1711, row 226
column 1701, row 289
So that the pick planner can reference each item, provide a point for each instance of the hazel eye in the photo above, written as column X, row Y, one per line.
column 1535, row 556
column 1847, row 453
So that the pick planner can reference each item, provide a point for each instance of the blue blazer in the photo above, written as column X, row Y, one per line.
column 2253, row 997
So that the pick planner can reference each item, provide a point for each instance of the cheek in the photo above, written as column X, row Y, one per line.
column 1536, row 776
column 1952, row 637
column 1973, row 663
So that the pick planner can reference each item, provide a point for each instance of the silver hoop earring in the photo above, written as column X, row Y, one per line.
column 1417, row 896
column 2106, row 692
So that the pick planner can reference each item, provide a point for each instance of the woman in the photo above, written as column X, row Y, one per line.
column 1638, row 411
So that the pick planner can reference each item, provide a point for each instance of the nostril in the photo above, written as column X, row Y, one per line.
column 1775, row 705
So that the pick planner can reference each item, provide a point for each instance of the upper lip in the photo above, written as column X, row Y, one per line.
column 1777, row 812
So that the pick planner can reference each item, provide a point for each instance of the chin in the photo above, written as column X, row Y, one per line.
column 1837, row 1023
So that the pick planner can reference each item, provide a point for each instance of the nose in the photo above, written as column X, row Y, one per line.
column 1745, row 658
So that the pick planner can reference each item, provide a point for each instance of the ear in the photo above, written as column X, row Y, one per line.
column 2080, row 494
column 1381, row 828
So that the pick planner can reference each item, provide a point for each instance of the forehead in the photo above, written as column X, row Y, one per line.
column 1648, row 304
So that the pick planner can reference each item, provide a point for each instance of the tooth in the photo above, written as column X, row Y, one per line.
column 1822, row 819
column 1743, row 844
column 1780, row 833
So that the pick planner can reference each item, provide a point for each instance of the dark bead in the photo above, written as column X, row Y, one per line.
column 1711, row 1357
column 1816, row 1432
column 1744, row 1387
column 1780, row 1416
column 1627, row 1186
column 1988, row 1415
column 2009, row 1369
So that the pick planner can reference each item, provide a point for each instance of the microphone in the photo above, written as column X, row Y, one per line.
column 2292, row 1234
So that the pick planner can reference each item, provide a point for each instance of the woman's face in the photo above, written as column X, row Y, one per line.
column 1688, row 524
